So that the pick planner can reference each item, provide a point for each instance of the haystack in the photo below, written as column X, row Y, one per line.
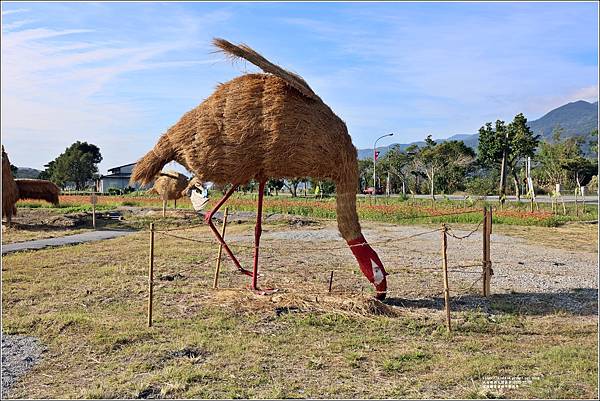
column 169, row 185
column 23, row 188
column 10, row 192
column 262, row 126
column 38, row 189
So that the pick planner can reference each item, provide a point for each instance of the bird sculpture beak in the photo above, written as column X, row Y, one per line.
column 370, row 265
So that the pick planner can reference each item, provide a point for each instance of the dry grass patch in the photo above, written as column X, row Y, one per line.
column 87, row 305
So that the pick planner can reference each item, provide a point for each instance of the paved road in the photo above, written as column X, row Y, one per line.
column 67, row 240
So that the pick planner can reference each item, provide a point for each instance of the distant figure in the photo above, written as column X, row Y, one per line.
column 197, row 192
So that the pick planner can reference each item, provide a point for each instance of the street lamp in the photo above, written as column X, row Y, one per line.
column 375, row 162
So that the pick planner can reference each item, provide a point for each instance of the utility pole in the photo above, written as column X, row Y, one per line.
column 375, row 162
column 503, row 169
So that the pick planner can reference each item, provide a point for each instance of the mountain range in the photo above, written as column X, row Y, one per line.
column 576, row 118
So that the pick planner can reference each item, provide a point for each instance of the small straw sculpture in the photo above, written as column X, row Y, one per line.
column 23, row 188
column 38, row 189
column 10, row 192
column 262, row 126
column 169, row 185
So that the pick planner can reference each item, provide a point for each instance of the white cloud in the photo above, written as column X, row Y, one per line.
column 18, row 10
column 54, row 92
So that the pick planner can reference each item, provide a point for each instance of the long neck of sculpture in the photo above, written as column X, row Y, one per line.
column 347, row 218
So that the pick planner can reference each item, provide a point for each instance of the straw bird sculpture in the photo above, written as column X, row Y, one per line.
column 10, row 192
column 23, row 188
column 169, row 186
column 262, row 126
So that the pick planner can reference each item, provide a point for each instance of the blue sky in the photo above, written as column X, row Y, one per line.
column 119, row 74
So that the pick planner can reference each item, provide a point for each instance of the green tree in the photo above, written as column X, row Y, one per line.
column 365, row 173
column 276, row 185
column 435, row 159
column 292, row 185
column 77, row 164
column 505, row 146
column 594, row 142
column 551, row 156
column 14, row 170
column 399, row 164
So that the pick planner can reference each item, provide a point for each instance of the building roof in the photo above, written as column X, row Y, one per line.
column 124, row 165
column 128, row 176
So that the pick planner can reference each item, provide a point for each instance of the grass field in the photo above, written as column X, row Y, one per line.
column 390, row 210
column 87, row 305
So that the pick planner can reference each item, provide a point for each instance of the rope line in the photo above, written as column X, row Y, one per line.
column 439, row 215
column 465, row 236
column 178, row 228
column 166, row 233
column 267, row 215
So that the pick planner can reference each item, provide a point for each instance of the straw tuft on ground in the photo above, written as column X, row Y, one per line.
column 347, row 304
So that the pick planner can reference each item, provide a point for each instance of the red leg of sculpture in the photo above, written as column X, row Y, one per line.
column 208, row 219
column 257, row 232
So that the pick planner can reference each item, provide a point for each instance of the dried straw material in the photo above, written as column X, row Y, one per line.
column 38, row 189
column 23, row 188
column 10, row 192
column 244, row 52
column 261, row 126
column 170, row 185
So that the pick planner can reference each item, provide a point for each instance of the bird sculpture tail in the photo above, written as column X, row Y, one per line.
column 151, row 164
column 245, row 52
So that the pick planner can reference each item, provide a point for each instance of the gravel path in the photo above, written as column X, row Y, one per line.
column 532, row 277
column 66, row 240
column 518, row 266
column 19, row 354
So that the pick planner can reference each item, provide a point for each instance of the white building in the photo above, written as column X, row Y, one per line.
column 118, row 178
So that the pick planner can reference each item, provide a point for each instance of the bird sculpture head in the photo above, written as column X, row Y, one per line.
column 370, row 265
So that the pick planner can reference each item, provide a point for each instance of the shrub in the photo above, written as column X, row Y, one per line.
column 482, row 186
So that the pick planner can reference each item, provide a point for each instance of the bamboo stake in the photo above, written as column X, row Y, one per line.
column 330, row 281
column 485, row 250
column 445, row 270
column 487, row 263
column 94, row 210
column 151, row 275
column 218, row 266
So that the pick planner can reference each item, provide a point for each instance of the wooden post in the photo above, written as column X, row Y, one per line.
column 445, row 271
column 151, row 275
column 164, row 208
column 487, row 264
column 175, row 204
column 218, row 266
column 330, row 280
column 94, row 199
